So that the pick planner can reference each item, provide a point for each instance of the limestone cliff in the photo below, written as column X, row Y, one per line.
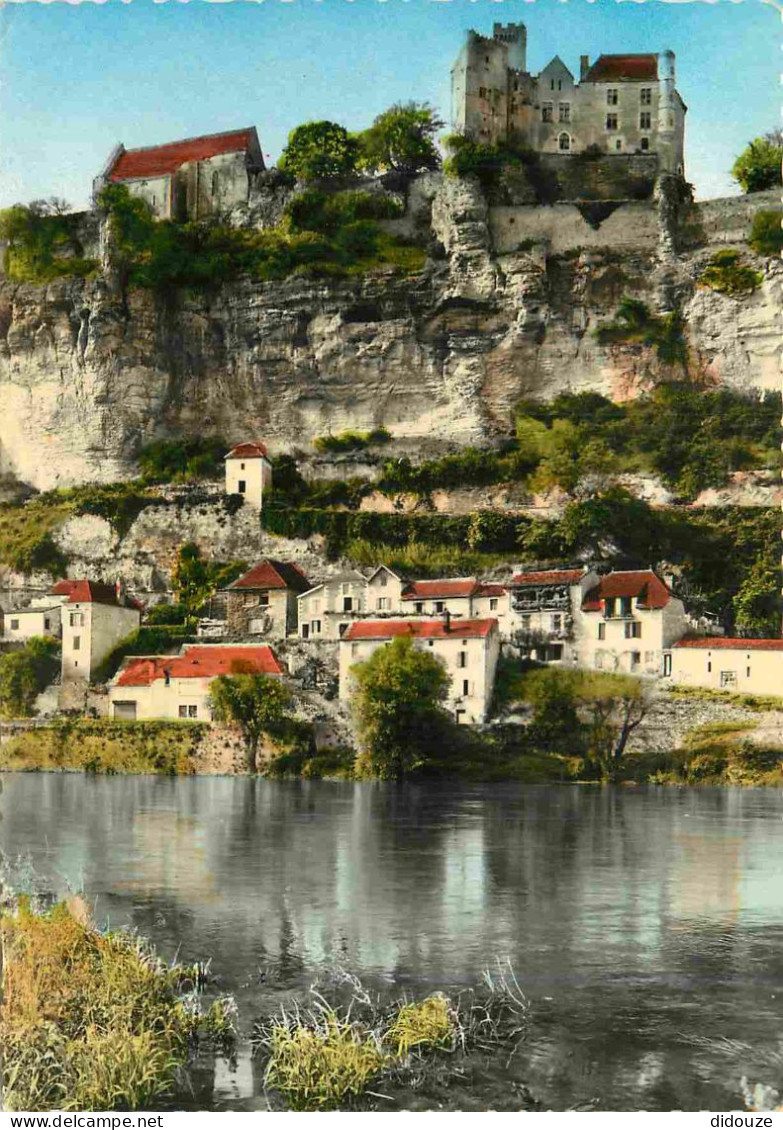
column 88, row 375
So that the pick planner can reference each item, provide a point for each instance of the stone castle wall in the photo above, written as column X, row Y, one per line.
column 563, row 228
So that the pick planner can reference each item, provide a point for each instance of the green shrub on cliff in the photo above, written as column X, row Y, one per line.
column 183, row 460
column 42, row 242
column 766, row 233
column 758, row 165
column 319, row 151
column 327, row 213
column 634, row 323
column 727, row 274
column 25, row 673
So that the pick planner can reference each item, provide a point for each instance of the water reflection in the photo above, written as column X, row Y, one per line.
column 645, row 925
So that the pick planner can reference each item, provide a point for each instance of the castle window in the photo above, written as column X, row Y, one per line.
column 645, row 120
column 645, row 144
column 215, row 184
column 611, row 121
column 552, row 84
column 482, row 92
column 547, row 112
column 564, row 143
column 611, row 97
column 646, row 96
column 618, row 144
column 559, row 84
column 565, row 111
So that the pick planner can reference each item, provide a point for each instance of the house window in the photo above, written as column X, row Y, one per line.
column 263, row 600
column 77, row 643
column 188, row 712
column 215, row 184
column 315, row 627
column 241, row 466
column 564, row 143
column 609, row 607
column 354, row 650
column 636, row 658
column 547, row 112
column 611, row 122
column 645, row 144
column 709, row 667
column 633, row 630
column 602, row 631
column 728, row 678
column 645, row 119
column 667, row 665
column 493, row 603
column 625, row 606
column 47, row 623
column 557, row 622
column 551, row 84
column 382, row 604
column 14, row 625
column 618, row 145
column 747, row 672
column 430, row 643
column 559, row 84
column 342, row 629
column 76, row 619
column 611, row 96
column 347, row 604
column 305, row 631
column 439, row 605
column 462, row 659
column 565, row 111
column 242, row 486
column 383, row 580
column 465, row 687
column 645, row 96
column 418, row 606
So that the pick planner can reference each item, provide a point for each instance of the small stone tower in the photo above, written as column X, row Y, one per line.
column 515, row 38
column 670, row 161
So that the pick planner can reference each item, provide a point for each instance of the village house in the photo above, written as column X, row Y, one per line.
column 462, row 597
column 724, row 664
column 178, row 686
column 326, row 610
column 249, row 472
column 42, row 619
column 263, row 601
column 468, row 649
column 627, row 621
column 95, row 617
column 620, row 105
column 541, row 613
column 189, row 179
column 384, row 591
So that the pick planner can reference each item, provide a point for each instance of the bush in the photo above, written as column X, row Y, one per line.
column 43, row 243
column 351, row 441
column 328, row 213
column 25, row 673
column 634, row 323
column 758, row 166
column 727, row 274
column 766, row 233
column 183, row 460
column 319, row 150
column 402, row 139
column 166, row 614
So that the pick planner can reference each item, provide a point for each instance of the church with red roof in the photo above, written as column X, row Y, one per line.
column 189, row 179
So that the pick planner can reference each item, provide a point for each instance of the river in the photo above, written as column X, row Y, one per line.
column 645, row 925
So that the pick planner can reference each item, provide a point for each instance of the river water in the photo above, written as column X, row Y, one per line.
column 645, row 925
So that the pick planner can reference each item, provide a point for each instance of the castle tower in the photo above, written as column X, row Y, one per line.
column 515, row 38
column 669, row 143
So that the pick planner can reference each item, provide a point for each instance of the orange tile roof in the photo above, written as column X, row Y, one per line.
column 483, row 588
column 549, row 577
column 429, row 590
column 162, row 160
column 736, row 643
column 85, row 592
column 623, row 68
column 644, row 584
column 271, row 574
column 418, row 629
column 251, row 450
column 200, row 662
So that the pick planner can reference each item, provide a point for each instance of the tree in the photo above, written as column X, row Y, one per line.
column 401, row 138
column 758, row 165
column 258, row 704
column 757, row 606
column 397, row 707
column 319, row 150
column 24, row 674
column 613, row 707
column 195, row 580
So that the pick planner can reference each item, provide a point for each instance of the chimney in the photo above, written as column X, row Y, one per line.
column 447, row 621
column 119, row 589
column 584, row 67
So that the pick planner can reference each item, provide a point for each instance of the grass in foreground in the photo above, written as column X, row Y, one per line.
column 93, row 1021
column 327, row 1055
column 107, row 746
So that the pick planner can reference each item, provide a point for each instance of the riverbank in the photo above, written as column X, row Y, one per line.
column 690, row 737
column 92, row 1020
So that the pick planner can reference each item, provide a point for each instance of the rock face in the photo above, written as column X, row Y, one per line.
column 88, row 375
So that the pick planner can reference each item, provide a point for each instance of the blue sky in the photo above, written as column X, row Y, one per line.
column 76, row 78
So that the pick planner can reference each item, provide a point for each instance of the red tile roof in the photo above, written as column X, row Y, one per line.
column 645, row 585
column 271, row 574
column 483, row 588
column 433, row 590
column 86, row 592
column 738, row 644
column 161, row 160
column 200, row 662
column 252, row 450
column 418, row 629
column 623, row 68
column 549, row 577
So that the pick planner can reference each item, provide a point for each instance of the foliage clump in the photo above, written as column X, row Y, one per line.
column 319, row 151
column 103, row 745
column 25, row 673
column 758, row 165
column 259, row 704
column 89, row 1021
column 766, row 232
column 43, row 242
column 351, row 441
column 401, row 140
column 634, row 323
column 727, row 274
column 182, row 460
column 195, row 580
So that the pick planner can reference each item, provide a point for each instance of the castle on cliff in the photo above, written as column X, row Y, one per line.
column 621, row 105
